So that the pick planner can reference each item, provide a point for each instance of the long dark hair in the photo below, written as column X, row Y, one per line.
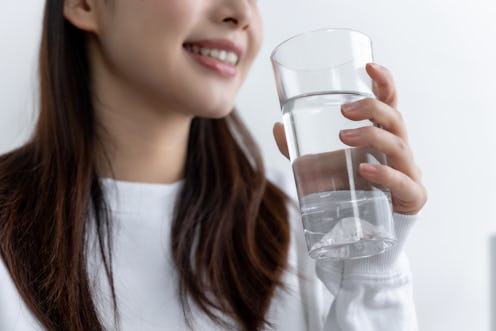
column 236, row 220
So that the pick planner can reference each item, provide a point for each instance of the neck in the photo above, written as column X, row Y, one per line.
column 144, row 141
column 143, row 149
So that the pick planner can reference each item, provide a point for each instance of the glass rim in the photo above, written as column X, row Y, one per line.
column 303, row 34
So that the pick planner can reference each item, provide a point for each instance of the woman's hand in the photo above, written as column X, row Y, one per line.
column 401, row 175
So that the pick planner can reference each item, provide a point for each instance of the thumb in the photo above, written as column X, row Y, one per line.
column 280, row 138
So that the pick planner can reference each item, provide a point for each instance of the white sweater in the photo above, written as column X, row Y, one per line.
column 367, row 294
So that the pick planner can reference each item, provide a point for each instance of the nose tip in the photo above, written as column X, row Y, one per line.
column 237, row 13
column 236, row 22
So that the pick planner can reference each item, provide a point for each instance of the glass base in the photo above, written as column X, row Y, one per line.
column 353, row 250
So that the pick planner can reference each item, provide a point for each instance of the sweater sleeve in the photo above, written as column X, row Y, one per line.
column 368, row 294
column 373, row 293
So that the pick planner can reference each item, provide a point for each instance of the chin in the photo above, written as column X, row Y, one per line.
column 216, row 113
column 225, row 113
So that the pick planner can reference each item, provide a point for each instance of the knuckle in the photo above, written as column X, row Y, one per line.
column 370, row 102
column 399, row 117
column 397, row 181
column 422, row 197
column 403, row 182
column 371, row 134
column 375, row 110
column 368, row 105
column 389, row 176
column 401, row 146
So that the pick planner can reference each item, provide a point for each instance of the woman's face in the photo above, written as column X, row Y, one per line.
column 189, row 56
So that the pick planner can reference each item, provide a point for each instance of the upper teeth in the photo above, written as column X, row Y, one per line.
column 219, row 54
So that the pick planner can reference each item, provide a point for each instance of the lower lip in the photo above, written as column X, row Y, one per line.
column 224, row 69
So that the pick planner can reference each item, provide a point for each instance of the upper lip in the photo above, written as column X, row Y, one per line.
column 222, row 44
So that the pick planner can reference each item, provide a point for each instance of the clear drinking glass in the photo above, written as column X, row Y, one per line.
column 344, row 216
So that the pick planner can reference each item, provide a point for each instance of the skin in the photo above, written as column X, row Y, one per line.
column 147, row 90
column 402, row 176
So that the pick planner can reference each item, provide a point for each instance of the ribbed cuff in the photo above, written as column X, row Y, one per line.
column 392, row 260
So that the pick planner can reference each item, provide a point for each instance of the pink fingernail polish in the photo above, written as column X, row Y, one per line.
column 368, row 168
column 349, row 107
column 350, row 134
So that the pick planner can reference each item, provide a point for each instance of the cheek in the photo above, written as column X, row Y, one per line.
column 143, row 22
column 144, row 48
column 255, row 37
column 145, row 37
column 259, row 30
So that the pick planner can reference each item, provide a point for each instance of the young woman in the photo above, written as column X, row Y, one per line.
column 141, row 202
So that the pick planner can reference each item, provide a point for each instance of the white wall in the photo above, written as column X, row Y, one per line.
column 20, row 24
column 442, row 54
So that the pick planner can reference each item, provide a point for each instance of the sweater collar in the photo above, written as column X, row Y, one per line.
column 139, row 198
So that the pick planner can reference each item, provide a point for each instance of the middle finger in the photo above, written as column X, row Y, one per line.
column 398, row 151
column 379, row 113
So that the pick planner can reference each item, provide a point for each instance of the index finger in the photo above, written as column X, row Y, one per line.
column 383, row 84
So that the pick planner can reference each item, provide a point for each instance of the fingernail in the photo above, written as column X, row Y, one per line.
column 349, row 107
column 377, row 66
column 368, row 168
column 350, row 134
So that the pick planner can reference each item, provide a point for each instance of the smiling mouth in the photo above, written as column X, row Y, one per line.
column 217, row 54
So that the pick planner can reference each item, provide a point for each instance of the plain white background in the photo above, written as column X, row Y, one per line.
column 442, row 54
